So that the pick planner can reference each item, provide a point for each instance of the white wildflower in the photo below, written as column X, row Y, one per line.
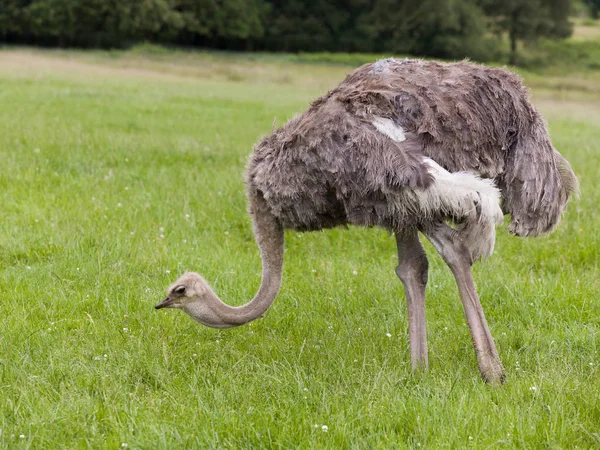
column 388, row 335
column 325, row 428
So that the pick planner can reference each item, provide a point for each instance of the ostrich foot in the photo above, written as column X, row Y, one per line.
column 491, row 369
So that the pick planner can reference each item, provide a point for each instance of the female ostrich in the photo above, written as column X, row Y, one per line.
column 405, row 145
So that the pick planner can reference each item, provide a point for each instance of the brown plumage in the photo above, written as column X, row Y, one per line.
column 330, row 166
column 405, row 145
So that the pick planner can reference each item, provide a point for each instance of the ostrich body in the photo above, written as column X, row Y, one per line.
column 408, row 146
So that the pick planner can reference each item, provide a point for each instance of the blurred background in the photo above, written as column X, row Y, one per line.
column 520, row 32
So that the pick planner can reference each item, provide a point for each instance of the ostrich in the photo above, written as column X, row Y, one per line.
column 411, row 146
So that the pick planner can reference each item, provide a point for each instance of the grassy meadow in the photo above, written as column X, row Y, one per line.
column 121, row 170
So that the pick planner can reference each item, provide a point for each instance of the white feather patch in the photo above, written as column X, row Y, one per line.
column 458, row 187
column 389, row 128
column 465, row 195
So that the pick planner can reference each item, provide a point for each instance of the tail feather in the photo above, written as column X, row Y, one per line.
column 569, row 181
column 536, row 184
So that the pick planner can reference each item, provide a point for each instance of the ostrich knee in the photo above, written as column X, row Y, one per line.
column 413, row 269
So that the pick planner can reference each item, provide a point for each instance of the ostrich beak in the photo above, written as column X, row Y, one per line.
column 166, row 303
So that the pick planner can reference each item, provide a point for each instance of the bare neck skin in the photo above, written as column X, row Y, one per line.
column 212, row 312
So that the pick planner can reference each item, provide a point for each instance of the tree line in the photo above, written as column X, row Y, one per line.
column 437, row 28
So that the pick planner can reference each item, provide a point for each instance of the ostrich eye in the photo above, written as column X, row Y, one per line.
column 180, row 290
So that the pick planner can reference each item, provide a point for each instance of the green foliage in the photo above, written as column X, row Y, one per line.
column 437, row 28
column 528, row 19
column 442, row 28
column 240, row 19
column 149, row 19
column 11, row 17
column 446, row 28
column 594, row 6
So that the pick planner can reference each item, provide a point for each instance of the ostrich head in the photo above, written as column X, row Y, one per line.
column 193, row 295
column 190, row 288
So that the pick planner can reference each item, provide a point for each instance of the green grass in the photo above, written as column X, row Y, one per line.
column 120, row 172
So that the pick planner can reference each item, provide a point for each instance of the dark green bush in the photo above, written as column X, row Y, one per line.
column 451, row 29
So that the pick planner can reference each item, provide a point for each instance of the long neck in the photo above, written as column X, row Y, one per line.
column 269, row 237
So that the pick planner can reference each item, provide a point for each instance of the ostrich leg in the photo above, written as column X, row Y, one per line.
column 412, row 271
column 458, row 258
